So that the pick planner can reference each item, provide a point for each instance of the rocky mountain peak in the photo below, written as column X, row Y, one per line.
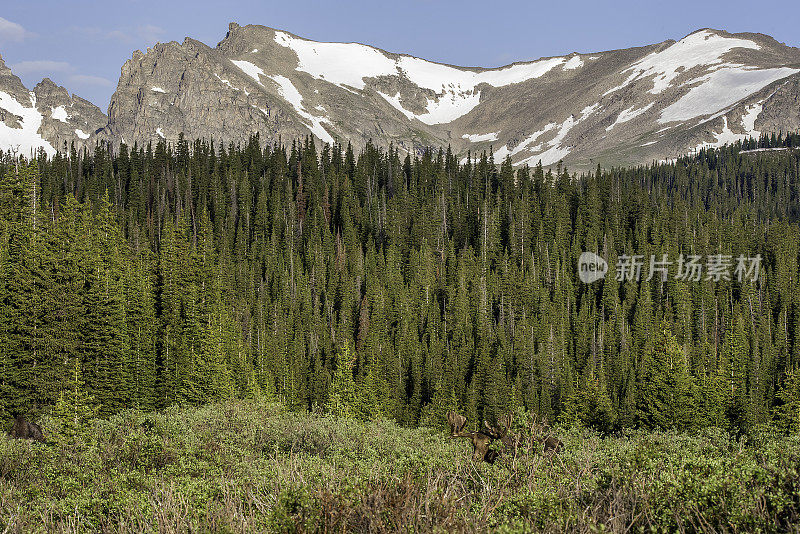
column 616, row 107
column 4, row 70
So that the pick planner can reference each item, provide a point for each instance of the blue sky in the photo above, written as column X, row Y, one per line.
column 82, row 44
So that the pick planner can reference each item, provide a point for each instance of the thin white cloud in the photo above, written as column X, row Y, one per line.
column 40, row 65
column 11, row 31
column 88, row 31
column 47, row 68
column 147, row 33
column 87, row 79
column 150, row 33
column 118, row 35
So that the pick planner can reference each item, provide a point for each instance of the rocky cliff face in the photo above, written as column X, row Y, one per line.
column 20, row 121
column 67, row 119
column 193, row 89
column 45, row 118
column 614, row 108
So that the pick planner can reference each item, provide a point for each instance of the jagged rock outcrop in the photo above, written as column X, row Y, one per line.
column 193, row 89
column 189, row 88
column 10, row 84
column 67, row 119
column 19, row 119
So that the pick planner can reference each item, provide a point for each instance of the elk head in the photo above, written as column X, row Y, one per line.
column 501, row 430
column 480, row 439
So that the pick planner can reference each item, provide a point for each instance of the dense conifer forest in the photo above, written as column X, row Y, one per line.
column 383, row 284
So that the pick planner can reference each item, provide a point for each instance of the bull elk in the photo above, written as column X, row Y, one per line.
column 480, row 439
column 511, row 442
column 24, row 429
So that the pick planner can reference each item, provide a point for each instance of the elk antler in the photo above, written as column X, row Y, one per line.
column 480, row 439
column 490, row 431
column 502, row 428
column 505, row 423
column 457, row 423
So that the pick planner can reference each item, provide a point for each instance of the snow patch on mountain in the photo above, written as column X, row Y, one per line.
column 525, row 143
column 394, row 101
column 26, row 139
column 349, row 64
column 226, row 82
column 703, row 48
column 156, row 89
column 627, row 114
column 554, row 151
column 229, row 84
column 248, row 68
column 447, row 108
column 59, row 113
column 575, row 62
column 80, row 133
column 335, row 62
column 479, row 138
column 727, row 136
column 749, row 118
column 160, row 133
column 720, row 89
column 262, row 110
column 441, row 78
column 290, row 93
column 551, row 151
column 450, row 106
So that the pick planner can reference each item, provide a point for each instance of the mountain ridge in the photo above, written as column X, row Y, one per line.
column 624, row 106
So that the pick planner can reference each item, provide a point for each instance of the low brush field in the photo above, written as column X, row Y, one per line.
column 244, row 466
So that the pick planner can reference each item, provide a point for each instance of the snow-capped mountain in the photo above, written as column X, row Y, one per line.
column 44, row 118
column 618, row 107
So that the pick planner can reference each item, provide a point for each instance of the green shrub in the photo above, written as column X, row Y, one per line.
column 245, row 466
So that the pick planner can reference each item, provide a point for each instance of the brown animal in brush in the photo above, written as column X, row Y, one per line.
column 480, row 439
column 24, row 429
column 510, row 442
column 541, row 431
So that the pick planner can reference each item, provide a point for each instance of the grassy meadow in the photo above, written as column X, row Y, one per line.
column 249, row 466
